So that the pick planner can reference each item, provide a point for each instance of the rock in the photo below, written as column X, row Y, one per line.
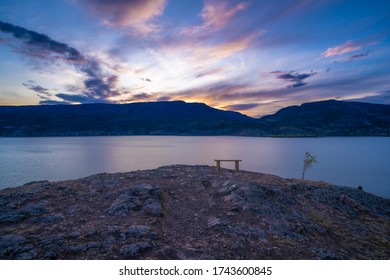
column 3, row 200
column 91, row 232
column 153, row 208
column 108, row 242
column 91, row 248
column 138, row 231
column 53, row 219
column 122, row 236
column 213, row 221
column 170, row 253
column 207, row 215
column 55, row 244
column 77, row 249
column 131, row 200
column 16, row 247
column 27, row 255
column 74, row 234
column 123, row 204
column 134, row 249
column 34, row 209
column 146, row 190
column 349, row 201
column 245, row 231
column 12, row 217
column 153, row 235
column 324, row 254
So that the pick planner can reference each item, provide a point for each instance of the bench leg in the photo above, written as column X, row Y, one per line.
column 237, row 166
column 218, row 165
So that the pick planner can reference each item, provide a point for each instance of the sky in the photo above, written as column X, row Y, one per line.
column 250, row 56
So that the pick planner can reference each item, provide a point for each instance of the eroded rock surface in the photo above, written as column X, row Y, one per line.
column 192, row 212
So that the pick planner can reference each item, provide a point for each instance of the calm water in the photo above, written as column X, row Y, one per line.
column 351, row 162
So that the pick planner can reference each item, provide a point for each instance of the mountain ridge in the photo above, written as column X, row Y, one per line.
column 321, row 118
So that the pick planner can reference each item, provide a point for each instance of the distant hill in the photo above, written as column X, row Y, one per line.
column 324, row 118
column 158, row 118
column 329, row 118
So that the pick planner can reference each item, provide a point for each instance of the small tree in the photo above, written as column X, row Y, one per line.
column 308, row 162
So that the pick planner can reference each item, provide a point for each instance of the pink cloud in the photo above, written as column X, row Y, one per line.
column 123, row 13
column 224, row 50
column 347, row 47
column 216, row 15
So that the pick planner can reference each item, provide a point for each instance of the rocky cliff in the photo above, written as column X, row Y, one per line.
column 192, row 212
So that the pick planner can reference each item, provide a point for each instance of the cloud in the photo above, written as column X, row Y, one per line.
column 216, row 14
column 138, row 97
column 347, row 47
column 99, row 86
column 37, row 88
column 381, row 97
column 164, row 98
column 295, row 77
column 209, row 72
column 241, row 107
column 80, row 98
column 222, row 50
column 53, row 102
column 40, row 45
column 124, row 13
column 359, row 55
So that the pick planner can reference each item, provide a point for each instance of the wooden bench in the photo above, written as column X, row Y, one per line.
column 236, row 163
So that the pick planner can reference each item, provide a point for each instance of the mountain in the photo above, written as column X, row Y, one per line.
column 164, row 118
column 324, row 118
column 329, row 118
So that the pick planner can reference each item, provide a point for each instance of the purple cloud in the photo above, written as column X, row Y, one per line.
column 37, row 88
column 98, row 86
column 296, row 78
column 53, row 102
column 40, row 45
column 138, row 97
column 123, row 13
column 241, row 107
column 359, row 55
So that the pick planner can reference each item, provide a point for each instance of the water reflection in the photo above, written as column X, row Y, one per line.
column 345, row 161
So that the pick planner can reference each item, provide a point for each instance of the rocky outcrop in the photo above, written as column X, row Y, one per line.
column 192, row 212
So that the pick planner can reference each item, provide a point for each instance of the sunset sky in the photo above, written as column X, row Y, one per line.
column 251, row 56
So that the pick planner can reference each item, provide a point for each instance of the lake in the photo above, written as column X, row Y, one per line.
column 347, row 161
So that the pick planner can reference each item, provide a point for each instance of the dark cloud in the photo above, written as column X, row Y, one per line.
column 241, row 107
column 355, row 56
column 296, row 78
column 53, row 102
column 164, row 98
column 138, row 97
column 381, row 97
column 101, row 87
column 40, row 45
column 79, row 98
column 146, row 80
column 98, row 86
column 37, row 88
